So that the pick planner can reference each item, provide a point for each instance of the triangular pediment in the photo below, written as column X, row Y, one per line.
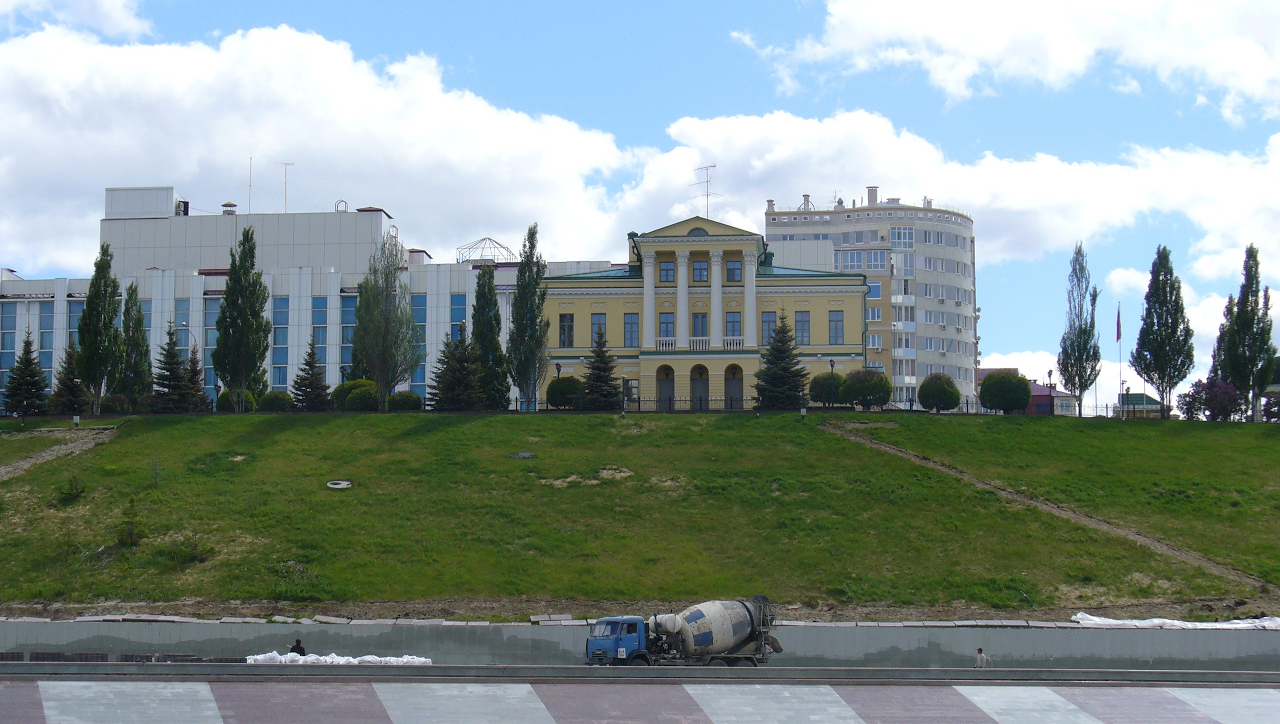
column 682, row 228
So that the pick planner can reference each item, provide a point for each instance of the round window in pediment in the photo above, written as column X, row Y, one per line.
column 697, row 231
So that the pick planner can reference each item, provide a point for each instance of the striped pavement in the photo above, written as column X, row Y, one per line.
column 156, row 702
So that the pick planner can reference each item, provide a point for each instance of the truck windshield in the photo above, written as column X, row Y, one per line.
column 604, row 628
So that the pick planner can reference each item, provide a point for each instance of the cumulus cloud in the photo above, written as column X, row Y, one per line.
column 1234, row 48
column 1127, row 281
column 117, row 18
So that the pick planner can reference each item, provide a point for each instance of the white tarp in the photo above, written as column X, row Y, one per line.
column 273, row 657
column 1270, row 623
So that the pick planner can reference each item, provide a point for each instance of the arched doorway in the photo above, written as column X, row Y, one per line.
column 699, row 388
column 733, row 387
column 666, row 388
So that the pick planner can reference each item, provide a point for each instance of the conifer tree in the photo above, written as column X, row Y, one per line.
column 527, row 340
column 600, row 388
column 455, row 380
column 100, row 340
column 24, row 388
column 1080, row 356
column 172, row 385
column 134, row 379
column 1247, row 351
column 486, row 334
column 310, row 391
column 244, row 331
column 781, row 382
column 388, row 340
column 198, row 401
column 69, row 395
column 357, row 370
column 1164, row 354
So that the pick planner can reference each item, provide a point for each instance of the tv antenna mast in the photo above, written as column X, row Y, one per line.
column 286, row 165
column 706, row 184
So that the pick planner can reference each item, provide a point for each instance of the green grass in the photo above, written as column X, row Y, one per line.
column 1210, row 487
column 236, row 508
column 12, row 449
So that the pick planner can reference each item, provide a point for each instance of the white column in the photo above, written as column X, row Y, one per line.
column 649, row 326
column 750, row 324
column 682, row 299
column 717, row 300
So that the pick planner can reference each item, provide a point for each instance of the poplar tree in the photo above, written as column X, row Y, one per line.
column 244, row 331
column 527, row 340
column 600, row 388
column 386, row 336
column 135, row 369
column 486, row 334
column 100, row 341
column 1245, row 352
column 1079, row 355
column 172, row 386
column 24, row 388
column 455, row 381
column 1164, row 354
column 310, row 391
column 197, row 400
column 782, row 380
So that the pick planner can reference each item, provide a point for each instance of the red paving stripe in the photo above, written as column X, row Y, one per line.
column 1133, row 705
column 20, row 703
column 625, row 704
column 911, row 705
column 299, row 704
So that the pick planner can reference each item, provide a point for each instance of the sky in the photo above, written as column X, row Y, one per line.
column 1122, row 126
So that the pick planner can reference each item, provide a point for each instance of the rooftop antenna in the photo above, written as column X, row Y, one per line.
column 835, row 196
column 706, row 184
column 286, row 165
column 250, row 211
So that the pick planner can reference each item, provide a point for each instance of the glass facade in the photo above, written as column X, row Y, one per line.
column 418, row 382
column 8, row 338
column 74, row 310
column 279, row 344
column 211, row 308
column 182, row 325
column 45, row 340
column 348, row 329
column 457, row 314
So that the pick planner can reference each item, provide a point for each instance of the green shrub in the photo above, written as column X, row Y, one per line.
column 362, row 399
column 938, row 392
column 1008, row 392
column 563, row 392
column 867, row 389
column 129, row 531
column 825, row 389
column 70, row 491
column 341, row 392
column 278, row 401
column 404, row 401
column 114, row 405
column 225, row 405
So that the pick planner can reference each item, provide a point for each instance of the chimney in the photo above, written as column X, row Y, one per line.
column 872, row 192
column 229, row 208
column 769, row 208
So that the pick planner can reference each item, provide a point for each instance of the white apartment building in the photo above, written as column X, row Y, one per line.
column 311, row 263
column 921, row 313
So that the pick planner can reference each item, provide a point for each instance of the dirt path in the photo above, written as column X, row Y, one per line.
column 849, row 431
column 77, row 441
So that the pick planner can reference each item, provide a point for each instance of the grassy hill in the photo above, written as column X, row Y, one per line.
column 642, row 507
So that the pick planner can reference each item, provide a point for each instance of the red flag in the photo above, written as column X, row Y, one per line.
column 1117, row 322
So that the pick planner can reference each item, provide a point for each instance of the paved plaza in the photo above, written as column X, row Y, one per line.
column 153, row 702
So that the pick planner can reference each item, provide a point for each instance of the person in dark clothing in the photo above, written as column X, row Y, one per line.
column 297, row 648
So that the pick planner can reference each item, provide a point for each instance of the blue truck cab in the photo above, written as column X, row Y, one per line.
column 618, row 641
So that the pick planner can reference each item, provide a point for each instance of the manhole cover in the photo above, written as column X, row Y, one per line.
column 523, row 456
column 339, row 484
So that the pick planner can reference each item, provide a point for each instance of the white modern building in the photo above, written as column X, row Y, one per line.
column 921, row 313
column 311, row 263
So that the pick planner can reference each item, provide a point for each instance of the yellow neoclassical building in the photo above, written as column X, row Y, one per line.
column 689, row 314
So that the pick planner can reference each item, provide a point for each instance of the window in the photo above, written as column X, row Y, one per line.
column 768, row 323
column 876, row 260
column 876, row 365
column 666, row 325
column 320, row 326
column 418, row 380
column 904, row 340
column 928, row 343
column 182, row 324
column 875, row 341
column 733, row 324
column 348, row 328
column 904, row 314
column 848, row 261
column 903, row 237
column 9, row 327
column 873, row 314
column 734, row 269
column 700, row 324
column 822, row 237
column 666, row 271
column 457, row 314
column 74, row 310
column 802, row 328
column 566, row 330
column 700, row 271
column 597, row 327
column 210, row 314
column 835, row 327
column 873, row 290
column 279, row 343
column 146, row 316
column 786, row 237
column 631, row 330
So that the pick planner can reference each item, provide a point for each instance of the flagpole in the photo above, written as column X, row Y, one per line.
column 1119, row 364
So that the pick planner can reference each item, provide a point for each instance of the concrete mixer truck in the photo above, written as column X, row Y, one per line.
column 714, row 633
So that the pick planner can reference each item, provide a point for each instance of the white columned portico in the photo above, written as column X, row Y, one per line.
column 717, row 299
column 750, row 322
column 682, row 299
column 648, row 334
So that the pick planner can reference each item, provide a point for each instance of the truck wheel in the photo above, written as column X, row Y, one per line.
column 745, row 662
column 717, row 662
column 638, row 661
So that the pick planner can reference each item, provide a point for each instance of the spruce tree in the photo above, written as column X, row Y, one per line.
column 1249, row 353
column 100, row 340
column 1164, row 354
column 600, row 388
column 198, row 401
column 389, row 341
column 69, row 395
column 134, row 379
column 782, row 381
column 310, row 391
column 1079, row 355
column 455, row 380
column 244, row 331
column 527, row 340
column 486, row 334
column 172, row 386
column 24, row 388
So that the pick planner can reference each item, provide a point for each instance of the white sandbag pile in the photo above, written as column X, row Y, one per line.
column 273, row 657
column 1270, row 623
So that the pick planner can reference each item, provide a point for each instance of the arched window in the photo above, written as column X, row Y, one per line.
column 697, row 231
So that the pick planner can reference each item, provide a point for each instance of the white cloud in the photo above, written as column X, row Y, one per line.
column 111, row 17
column 1128, row 84
column 1127, row 281
column 1234, row 47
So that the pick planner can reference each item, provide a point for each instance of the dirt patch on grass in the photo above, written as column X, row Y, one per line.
column 566, row 482
column 856, row 425
column 614, row 472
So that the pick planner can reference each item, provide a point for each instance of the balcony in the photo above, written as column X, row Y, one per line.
column 733, row 344
column 699, row 344
column 899, row 380
column 666, row 344
column 905, row 326
column 900, row 353
column 904, row 299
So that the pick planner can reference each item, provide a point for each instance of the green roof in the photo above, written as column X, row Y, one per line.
column 628, row 272
column 782, row 271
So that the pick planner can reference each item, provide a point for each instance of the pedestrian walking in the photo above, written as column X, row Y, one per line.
column 981, row 661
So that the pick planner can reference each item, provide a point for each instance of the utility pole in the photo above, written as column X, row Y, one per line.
column 286, row 165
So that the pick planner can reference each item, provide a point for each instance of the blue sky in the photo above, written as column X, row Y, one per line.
column 475, row 119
